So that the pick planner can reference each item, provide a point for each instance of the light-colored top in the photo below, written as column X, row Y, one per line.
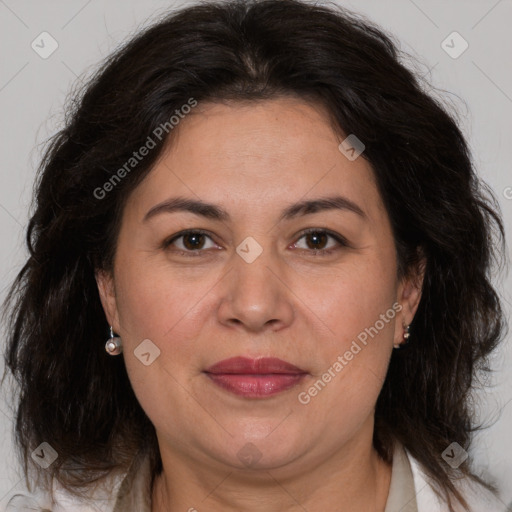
column 402, row 494
column 410, row 490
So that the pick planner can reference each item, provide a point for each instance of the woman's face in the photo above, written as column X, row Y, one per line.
column 252, row 285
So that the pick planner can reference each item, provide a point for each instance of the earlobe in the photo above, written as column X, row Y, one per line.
column 106, row 290
column 409, row 296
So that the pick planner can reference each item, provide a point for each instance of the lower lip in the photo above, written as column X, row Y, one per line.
column 256, row 386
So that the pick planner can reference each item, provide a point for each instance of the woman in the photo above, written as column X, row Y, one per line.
column 284, row 241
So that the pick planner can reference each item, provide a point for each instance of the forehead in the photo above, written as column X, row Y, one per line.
column 254, row 155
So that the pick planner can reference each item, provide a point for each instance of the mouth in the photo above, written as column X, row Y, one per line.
column 255, row 378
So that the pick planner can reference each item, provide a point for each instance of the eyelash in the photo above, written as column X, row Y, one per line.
column 317, row 252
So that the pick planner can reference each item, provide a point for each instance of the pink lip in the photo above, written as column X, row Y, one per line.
column 255, row 378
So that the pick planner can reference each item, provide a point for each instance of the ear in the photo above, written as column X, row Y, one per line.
column 106, row 289
column 409, row 296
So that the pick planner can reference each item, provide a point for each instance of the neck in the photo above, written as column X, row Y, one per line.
column 354, row 479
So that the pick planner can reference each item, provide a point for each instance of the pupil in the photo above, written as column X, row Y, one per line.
column 195, row 244
column 317, row 238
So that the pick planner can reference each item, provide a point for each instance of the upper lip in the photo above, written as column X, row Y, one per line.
column 259, row 366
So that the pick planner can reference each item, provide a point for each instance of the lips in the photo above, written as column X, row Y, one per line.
column 247, row 366
column 255, row 378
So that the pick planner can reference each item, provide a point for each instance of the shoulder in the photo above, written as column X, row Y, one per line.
column 477, row 496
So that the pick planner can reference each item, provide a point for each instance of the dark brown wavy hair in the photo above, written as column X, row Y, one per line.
column 78, row 399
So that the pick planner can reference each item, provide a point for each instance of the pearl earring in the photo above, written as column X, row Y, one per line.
column 114, row 345
column 407, row 335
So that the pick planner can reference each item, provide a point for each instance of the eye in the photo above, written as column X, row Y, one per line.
column 317, row 241
column 189, row 241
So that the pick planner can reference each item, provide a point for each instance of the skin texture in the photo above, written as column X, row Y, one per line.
column 254, row 160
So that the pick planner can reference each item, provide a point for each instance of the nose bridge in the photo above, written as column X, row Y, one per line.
column 255, row 287
column 256, row 296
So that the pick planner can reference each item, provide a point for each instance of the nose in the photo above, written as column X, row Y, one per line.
column 256, row 296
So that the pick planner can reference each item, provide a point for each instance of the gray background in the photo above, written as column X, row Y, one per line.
column 478, row 84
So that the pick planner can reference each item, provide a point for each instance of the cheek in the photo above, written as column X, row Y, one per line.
column 164, row 310
column 360, row 310
column 343, row 394
column 353, row 297
column 170, row 308
column 155, row 301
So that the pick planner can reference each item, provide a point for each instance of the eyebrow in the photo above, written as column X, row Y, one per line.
column 214, row 212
